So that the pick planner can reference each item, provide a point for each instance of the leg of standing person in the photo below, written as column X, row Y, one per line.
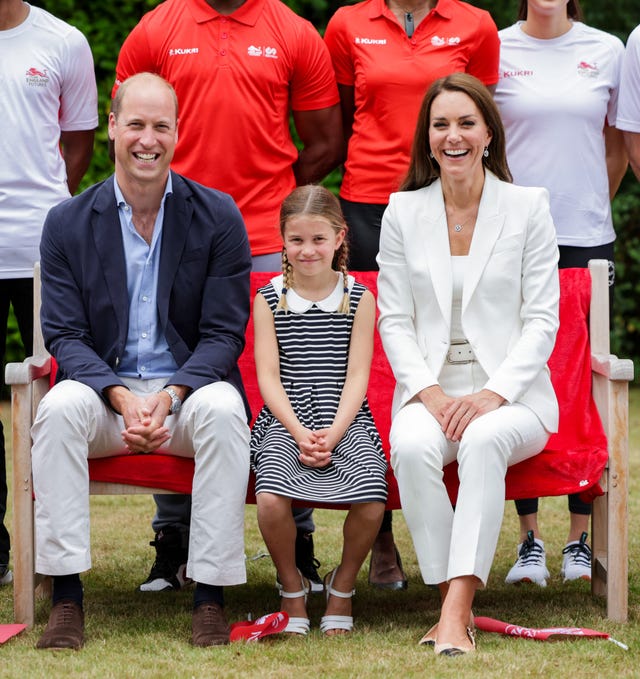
column 19, row 293
column 364, row 221
column 5, row 543
column 530, row 564
column 171, row 521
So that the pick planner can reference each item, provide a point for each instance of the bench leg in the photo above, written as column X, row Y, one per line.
column 23, row 530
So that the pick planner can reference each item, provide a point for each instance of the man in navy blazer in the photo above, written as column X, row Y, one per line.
column 145, row 300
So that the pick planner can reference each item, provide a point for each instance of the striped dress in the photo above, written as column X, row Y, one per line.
column 313, row 343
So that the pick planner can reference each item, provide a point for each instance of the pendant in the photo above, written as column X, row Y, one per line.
column 458, row 228
column 409, row 25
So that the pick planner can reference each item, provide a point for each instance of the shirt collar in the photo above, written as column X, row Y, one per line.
column 121, row 202
column 299, row 304
column 248, row 13
column 379, row 8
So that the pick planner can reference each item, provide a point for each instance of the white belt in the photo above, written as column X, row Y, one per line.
column 460, row 351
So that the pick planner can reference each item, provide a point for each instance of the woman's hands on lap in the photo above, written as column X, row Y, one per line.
column 455, row 414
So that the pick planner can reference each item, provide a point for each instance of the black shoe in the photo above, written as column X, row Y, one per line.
column 169, row 569
column 306, row 563
column 6, row 576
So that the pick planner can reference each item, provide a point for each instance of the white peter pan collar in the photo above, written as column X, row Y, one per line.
column 299, row 304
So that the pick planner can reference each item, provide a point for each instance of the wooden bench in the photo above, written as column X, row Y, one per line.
column 580, row 458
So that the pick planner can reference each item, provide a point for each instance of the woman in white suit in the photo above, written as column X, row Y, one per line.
column 468, row 296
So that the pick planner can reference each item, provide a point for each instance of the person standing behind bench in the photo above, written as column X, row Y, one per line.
column 49, row 106
column 240, row 68
column 145, row 301
column 628, row 118
column 557, row 95
column 385, row 54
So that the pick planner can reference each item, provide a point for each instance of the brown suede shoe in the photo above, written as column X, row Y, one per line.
column 65, row 628
column 209, row 626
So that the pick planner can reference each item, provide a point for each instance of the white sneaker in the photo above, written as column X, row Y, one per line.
column 6, row 576
column 576, row 564
column 531, row 564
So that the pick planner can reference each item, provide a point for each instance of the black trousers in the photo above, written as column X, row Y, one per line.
column 19, row 293
column 364, row 221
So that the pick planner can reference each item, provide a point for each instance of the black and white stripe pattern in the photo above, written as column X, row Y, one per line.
column 314, row 349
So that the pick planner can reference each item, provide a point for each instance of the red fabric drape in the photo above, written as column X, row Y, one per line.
column 572, row 462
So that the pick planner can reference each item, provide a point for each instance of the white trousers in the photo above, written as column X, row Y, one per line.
column 451, row 544
column 73, row 423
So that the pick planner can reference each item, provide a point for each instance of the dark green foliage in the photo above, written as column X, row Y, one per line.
column 107, row 24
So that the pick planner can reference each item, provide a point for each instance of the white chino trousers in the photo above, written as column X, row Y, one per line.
column 73, row 423
column 450, row 543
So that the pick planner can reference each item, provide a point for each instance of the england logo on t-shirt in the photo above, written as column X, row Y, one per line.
column 587, row 70
column 37, row 77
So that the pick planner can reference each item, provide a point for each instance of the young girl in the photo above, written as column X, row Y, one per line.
column 315, row 439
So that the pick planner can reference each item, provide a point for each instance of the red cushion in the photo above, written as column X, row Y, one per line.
column 572, row 462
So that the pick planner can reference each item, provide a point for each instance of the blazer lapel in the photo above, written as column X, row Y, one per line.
column 435, row 242
column 487, row 230
column 178, row 213
column 107, row 235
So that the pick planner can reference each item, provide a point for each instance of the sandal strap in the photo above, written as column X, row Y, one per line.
column 292, row 595
column 328, row 587
column 331, row 622
column 298, row 626
column 471, row 634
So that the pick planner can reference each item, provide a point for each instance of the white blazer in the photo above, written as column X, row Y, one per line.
column 509, row 301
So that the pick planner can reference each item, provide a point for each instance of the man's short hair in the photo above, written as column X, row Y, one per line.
column 116, row 103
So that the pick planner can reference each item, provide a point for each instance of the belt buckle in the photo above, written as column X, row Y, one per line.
column 460, row 353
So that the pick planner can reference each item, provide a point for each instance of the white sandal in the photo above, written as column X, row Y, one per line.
column 296, row 625
column 336, row 622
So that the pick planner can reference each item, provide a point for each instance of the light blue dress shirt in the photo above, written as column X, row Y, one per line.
column 147, row 354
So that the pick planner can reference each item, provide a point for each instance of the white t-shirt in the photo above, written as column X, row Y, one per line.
column 555, row 96
column 629, row 104
column 47, row 86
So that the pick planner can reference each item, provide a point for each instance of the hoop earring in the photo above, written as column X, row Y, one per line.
column 485, row 153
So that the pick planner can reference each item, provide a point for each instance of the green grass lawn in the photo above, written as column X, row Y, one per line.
column 147, row 635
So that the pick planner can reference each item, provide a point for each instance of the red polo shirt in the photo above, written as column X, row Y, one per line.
column 391, row 73
column 236, row 77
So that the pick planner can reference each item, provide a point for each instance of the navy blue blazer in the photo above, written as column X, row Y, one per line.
column 203, row 286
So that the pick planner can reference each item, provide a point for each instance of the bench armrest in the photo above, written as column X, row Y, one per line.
column 31, row 369
column 612, row 367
